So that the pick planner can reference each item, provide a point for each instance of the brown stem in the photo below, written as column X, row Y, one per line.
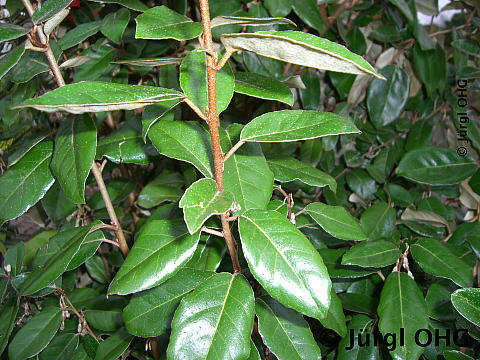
column 233, row 149
column 211, row 113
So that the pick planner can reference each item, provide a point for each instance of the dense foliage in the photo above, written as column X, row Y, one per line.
column 294, row 179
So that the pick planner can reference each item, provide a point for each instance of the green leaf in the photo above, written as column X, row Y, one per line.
column 435, row 258
column 96, row 96
column 114, row 24
column 278, row 7
column 96, row 269
column 466, row 46
column 88, row 248
column 202, row 200
column 162, row 23
column 146, row 62
column 149, row 313
column 165, row 187
column 193, row 79
column 152, row 114
column 386, row 99
column 48, row 10
column 285, row 263
column 208, row 255
column 35, row 243
column 246, row 173
column 349, row 347
column 11, row 31
column 288, row 169
column 436, row 165
column 223, row 304
column 186, row 141
column 62, row 346
column 336, row 221
column 467, row 303
column 300, row 48
column 8, row 315
column 333, row 260
column 9, row 60
column 378, row 221
column 431, row 66
column 293, row 125
column 114, row 346
column 362, row 184
column 249, row 21
column 161, row 249
column 307, row 10
column 455, row 355
column 14, row 257
column 53, row 261
column 23, row 184
column 284, row 331
column 79, row 34
column 75, row 145
column 36, row 334
column 263, row 87
column 136, row 5
column 335, row 318
column 372, row 254
column 402, row 306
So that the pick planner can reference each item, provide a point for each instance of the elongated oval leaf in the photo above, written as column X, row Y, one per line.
column 288, row 169
column 114, row 24
column 14, row 257
column 467, row 303
column 36, row 334
column 8, row 315
column 149, row 312
column 11, row 31
column 49, row 9
column 114, row 346
column 300, row 48
column 372, row 254
column 249, row 21
column 186, row 141
column 284, row 261
column 79, row 34
column 378, row 221
column 23, row 184
column 75, row 146
column 202, row 200
column 61, row 347
column 335, row 318
column 293, row 125
column 163, row 23
column 96, row 96
column 285, row 332
column 402, row 306
column 161, row 249
column 436, row 165
column 222, row 305
column 263, row 87
column 11, row 59
column 149, row 62
column 336, row 221
column 435, row 258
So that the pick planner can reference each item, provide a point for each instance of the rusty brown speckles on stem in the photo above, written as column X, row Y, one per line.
column 213, row 123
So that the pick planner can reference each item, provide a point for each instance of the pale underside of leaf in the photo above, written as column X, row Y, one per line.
column 248, row 21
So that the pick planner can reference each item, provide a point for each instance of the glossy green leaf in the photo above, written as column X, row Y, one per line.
column 378, row 221
column 467, row 303
column 223, row 304
column 161, row 22
column 96, row 269
column 287, row 169
column 11, row 31
column 23, row 184
column 372, row 254
column 285, row 263
column 165, row 187
column 208, row 255
column 14, row 257
column 263, row 87
column 8, row 315
column 249, row 21
column 161, row 249
column 293, row 125
column 88, row 248
column 333, row 261
column 193, row 79
column 9, row 60
column 435, row 258
column 53, row 261
column 202, row 200
column 431, row 66
column 152, row 114
column 79, row 34
column 114, row 24
column 36, row 334
column 386, row 99
column 136, row 5
column 95, row 96
column 35, row 243
column 466, row 46
column 301, row 49
column 49, row 9
column 438, row 301
column 61, row 347
column 186, row 141
column 349, row 347
column 149, row 313
column 278, row 7
column 436, row 165
column 456, row 355
column 402, row 306
column 307, row 10
column 75, row 146
column 246, row 173
column 359, row 303
column 336, row 221
column 420, row 134
column 284, row 331
column 362, row 184
column 335, row 318
column 114, row 346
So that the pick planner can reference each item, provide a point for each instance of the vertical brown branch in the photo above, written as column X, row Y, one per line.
column 213, row 124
